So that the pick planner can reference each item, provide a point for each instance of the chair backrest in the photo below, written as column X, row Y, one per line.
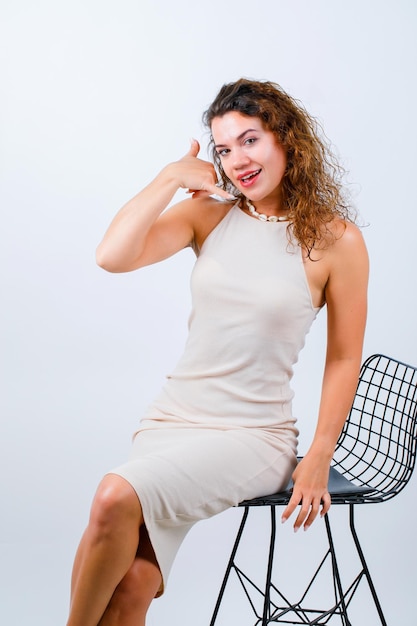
column 377, row 446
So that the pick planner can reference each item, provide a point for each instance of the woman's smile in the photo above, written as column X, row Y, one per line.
column 249, row 178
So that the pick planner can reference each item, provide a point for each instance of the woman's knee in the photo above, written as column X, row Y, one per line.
column 139, row 586
column 115, row 503
column 130, row 601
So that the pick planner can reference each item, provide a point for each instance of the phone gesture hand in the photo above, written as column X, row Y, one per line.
column 198, row 176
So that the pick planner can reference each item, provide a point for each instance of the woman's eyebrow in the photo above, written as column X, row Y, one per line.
column 249, row 130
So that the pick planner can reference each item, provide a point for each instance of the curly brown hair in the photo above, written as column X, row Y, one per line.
column 312, row 184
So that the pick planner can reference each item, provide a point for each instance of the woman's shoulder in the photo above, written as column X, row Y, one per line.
column 346, row 234
column 341, row 244
column 347, row 245
column 339, row 233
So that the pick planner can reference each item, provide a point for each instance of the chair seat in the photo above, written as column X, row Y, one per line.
column 342, row 491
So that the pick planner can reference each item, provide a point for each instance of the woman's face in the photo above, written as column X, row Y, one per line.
column 251, row 157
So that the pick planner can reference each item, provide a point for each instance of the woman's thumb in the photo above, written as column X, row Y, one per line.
column 194, row 148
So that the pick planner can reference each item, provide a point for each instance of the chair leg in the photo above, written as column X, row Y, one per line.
column 267, row 608
column 339, row 593
column 365, row 566
column 229, row 566
column 342, row 598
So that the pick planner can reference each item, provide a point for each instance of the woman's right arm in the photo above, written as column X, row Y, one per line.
column 139, row 235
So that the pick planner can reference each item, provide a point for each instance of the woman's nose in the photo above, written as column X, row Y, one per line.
column 240, row 159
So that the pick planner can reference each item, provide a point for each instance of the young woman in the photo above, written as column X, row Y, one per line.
column 277, row 247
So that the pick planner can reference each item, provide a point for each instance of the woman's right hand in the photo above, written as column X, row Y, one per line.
column 197, row 176
column 142, row 233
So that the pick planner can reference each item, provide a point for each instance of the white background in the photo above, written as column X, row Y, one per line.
column 95, row 97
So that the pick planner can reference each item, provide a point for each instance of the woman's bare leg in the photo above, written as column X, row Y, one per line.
column 134, row 594
column 107, row 550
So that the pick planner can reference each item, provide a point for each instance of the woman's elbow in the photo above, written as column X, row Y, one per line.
column 112, row 261
column 105, row 260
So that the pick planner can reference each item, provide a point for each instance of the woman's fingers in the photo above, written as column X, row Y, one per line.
column 291, row 506
column 310, row 492
column 326, row 504
column 309, row 509
column 211, row 191
column 312, row 514
column 199, row 176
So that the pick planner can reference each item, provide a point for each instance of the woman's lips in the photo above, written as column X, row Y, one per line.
column 249, row 178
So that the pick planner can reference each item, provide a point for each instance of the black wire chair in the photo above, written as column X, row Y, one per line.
column 374, row 459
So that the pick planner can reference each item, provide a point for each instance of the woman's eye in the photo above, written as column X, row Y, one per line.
column 250, row 140
column 223, row 152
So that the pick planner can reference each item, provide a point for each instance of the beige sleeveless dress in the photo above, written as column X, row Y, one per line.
column 222, row 428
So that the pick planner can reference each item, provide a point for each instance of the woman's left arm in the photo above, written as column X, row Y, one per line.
column 346, row 298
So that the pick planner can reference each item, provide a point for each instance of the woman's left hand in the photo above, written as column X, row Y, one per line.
column 310, row 478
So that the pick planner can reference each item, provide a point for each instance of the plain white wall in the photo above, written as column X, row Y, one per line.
column 95, row 97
